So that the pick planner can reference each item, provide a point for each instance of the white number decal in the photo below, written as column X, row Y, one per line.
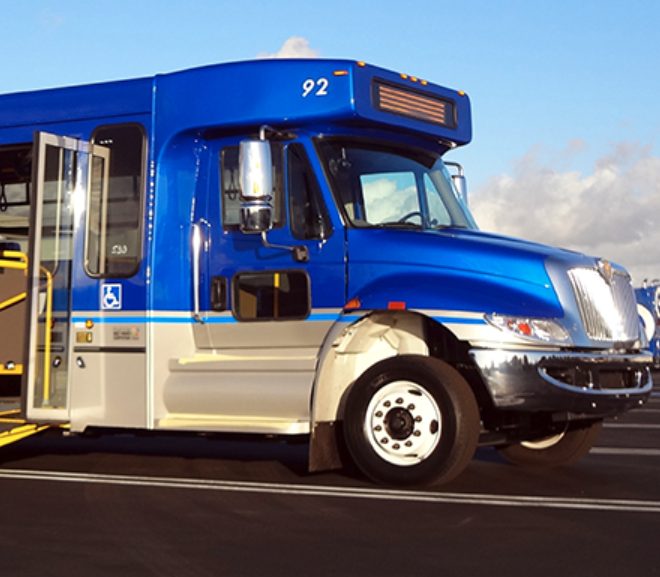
column 322, row 83
column 119, row 249
column 318, row 87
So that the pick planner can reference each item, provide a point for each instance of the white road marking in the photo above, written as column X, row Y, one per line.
column 631, row 426
column 530, row 501
column 625, row 451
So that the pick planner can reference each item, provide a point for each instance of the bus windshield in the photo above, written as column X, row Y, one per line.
column 383, row 186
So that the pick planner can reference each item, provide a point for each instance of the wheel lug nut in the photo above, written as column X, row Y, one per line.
column 387, row 404
column 411, row 407
column 378, row 428
column 384, row 440
column 396, row 446
column 408, row 443
column 418, row 419
column 399, row 401
column 417, row 433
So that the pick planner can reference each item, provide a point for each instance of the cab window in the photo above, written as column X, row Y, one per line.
column 307, row 212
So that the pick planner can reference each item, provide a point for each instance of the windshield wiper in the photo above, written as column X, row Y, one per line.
column 397, row 224
column 445, row 226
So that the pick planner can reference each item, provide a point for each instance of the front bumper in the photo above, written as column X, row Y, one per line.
column 598, row 384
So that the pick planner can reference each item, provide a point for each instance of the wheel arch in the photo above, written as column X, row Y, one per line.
column 351, row 349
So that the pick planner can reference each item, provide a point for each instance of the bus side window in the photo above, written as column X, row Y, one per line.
column 231, row 188
column 309, row 217
column 121, row 235
column 271, row 295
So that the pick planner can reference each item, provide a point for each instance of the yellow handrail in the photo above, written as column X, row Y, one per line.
column 12, row 301
column 19, row 260
column 47, row 336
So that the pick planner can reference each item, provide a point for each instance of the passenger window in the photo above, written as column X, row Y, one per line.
column 271, row 295
column 231, row 187
column 113, row 246
column 309, row 218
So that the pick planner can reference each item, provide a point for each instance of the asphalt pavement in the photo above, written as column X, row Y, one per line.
column 188, row 506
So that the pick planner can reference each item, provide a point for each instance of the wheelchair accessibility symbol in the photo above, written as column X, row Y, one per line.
column 111, row 297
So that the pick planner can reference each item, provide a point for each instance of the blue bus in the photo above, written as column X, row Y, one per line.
column 648, row 301
column 279, row 248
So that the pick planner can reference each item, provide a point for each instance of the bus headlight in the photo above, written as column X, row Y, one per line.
column 546, row 331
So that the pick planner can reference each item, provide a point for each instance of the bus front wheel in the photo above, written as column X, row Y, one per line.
column 411, row 420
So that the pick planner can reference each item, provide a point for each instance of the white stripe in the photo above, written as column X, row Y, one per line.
column 631, row 426
column 625, row 451
column 624, row 505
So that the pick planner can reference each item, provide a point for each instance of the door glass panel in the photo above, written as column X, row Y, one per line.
column 96, row 253
column 52, row 272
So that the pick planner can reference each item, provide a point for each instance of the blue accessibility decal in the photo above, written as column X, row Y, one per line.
column 111, row 297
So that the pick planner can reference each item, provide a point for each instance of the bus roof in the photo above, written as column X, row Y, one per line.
column 279, row 92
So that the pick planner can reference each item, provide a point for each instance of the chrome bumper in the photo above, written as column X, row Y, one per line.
column 581, row 383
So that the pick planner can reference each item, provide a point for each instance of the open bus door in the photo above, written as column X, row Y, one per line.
column 65, row 173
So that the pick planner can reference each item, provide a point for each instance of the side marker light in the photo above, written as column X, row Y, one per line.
column 353, row 304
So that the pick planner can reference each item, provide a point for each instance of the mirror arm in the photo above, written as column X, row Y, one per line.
column 263, row 130
column 300, row 252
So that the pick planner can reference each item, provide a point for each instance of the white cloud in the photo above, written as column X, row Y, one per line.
column 614, row 212
column 293, row 47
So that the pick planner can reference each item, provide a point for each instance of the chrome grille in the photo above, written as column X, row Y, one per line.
column 608, row 309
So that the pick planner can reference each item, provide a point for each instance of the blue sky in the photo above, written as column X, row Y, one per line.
column 558, row 87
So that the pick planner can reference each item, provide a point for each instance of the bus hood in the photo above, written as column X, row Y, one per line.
column 455, row 269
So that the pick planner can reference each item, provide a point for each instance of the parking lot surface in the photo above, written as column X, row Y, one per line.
column 184, row 506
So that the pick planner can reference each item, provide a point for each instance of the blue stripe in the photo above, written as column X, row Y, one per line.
column 459, row 320
column 315, row 317
column 320, row 317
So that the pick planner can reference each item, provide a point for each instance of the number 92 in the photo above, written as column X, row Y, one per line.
column 315, row 87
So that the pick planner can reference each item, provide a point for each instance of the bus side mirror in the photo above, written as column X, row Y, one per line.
column 460, row 184
column 256, row 178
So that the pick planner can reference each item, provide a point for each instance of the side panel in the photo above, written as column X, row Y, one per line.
column 104, row 390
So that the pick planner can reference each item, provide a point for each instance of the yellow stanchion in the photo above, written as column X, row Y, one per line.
column 47, row 334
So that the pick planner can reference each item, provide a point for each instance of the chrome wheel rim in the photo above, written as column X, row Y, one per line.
column 544, row 443
column 403, row 423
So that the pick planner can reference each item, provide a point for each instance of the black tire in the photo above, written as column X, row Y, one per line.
column 428, row 432
column 563, row 449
